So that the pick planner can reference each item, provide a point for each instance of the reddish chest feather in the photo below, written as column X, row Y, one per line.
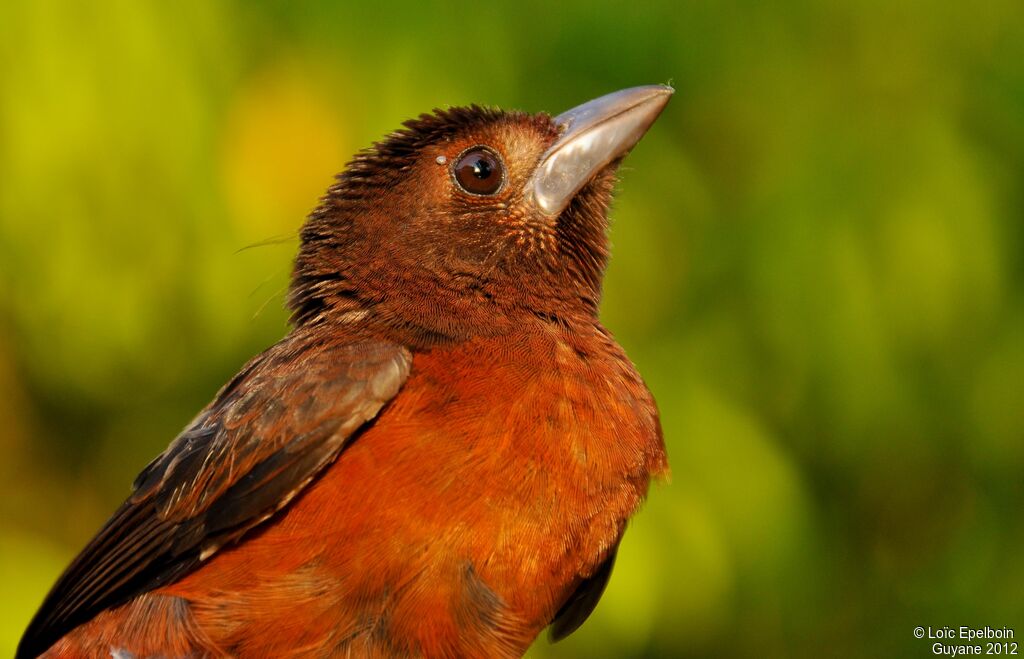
column 503, row 472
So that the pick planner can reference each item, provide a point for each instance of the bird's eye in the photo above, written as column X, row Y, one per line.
column 479, row 171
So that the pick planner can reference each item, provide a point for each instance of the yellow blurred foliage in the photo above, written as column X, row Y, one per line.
column 281, row 136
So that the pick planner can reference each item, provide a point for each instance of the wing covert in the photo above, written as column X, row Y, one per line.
column 266, row 435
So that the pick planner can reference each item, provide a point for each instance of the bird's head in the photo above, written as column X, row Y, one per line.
column 470, row 220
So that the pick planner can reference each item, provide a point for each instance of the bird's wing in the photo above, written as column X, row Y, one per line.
column 279, row 422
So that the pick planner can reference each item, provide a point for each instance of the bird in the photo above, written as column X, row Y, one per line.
column 439, row 458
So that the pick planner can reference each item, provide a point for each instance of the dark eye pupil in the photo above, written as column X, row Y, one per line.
column 479, row 171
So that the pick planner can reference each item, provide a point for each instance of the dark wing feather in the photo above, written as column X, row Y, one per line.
column 583, row 601
column 268, row 433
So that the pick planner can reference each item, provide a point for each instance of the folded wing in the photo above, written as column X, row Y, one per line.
column 269, row 432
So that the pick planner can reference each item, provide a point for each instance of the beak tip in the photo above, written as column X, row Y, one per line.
column 658, row 95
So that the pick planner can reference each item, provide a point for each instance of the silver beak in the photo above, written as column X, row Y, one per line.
column 593, row 135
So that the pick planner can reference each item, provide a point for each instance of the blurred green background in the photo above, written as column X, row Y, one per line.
column 817, row 266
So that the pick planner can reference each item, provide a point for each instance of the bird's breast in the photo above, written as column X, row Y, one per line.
column 502, row 473
column 524, row 456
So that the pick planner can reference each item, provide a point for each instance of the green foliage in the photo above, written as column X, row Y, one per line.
column 817, row 266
